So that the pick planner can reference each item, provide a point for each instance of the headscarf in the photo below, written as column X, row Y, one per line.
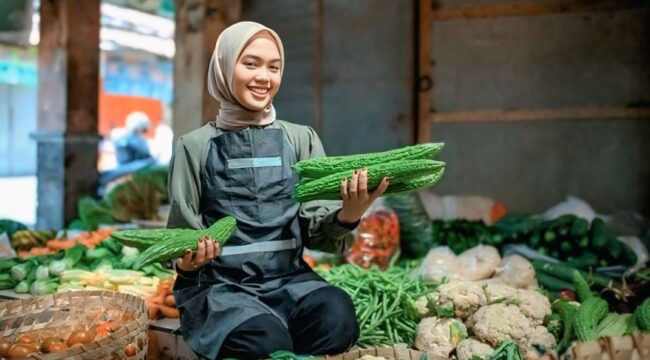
column 232, row 115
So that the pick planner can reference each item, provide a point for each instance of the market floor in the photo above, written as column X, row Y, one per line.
column 18, row 199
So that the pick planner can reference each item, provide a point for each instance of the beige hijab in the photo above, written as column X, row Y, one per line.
column 232, row 115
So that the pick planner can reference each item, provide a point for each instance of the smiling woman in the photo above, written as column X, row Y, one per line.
column 258, row 72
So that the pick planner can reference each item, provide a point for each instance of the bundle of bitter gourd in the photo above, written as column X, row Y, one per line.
column 166, row 244
column 408, row 168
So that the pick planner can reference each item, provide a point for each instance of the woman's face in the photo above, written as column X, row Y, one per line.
column 257, row 74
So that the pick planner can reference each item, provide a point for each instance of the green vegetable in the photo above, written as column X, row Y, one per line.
column 99, row 253
column 321, row 167
column 445, row 310
column 613, row 325
column 144, row 238
column 579, row 228
column 130, row 251
column 21, row 271
column 568, row 312
column 23, row 286
column 44, row 286
column 457, row 333
column 566, row 273
column 642, row 315
column 418, row 182
column 175, row 246
column 583, row 292
column 590, row 312
column 42, row 272
column 383, row 301
column 6, row 264
column 57, row 267
column 553, row 323
column 507, row 350
column 157, row 270
column 6, row 282
column 73, row 255
column 328, row 187
column 597, row 233
column 552, row 283
column 288, row 355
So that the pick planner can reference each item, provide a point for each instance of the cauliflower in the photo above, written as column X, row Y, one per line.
column 536, row 343
column 439, row 336
column 465, row 297
column 516, row 271
column 532, row 304
column 497, row 322
column 472, row 349
column 479, row 262
column 423, row 305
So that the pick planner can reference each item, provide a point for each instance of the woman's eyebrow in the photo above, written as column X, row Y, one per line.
column 255, row 57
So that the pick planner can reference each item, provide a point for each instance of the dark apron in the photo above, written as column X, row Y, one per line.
column 260, row 271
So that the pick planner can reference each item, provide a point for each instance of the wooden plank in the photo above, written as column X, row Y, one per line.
column 442, row 13
column 540, row 115
column 198, row 25
column 424, row 80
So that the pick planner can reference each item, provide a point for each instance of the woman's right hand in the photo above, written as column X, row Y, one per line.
column 206, row 251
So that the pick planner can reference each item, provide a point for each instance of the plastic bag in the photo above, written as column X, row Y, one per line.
column 377, row 238
column 415, row 225
column 440, row 263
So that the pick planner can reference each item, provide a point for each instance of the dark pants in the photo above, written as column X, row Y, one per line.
column 323, row 322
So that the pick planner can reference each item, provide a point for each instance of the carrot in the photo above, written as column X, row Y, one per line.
column 169, row 312
column 55, row 245
column 170, row 301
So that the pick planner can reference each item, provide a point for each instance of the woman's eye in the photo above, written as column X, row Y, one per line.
column 275, row 68
column 249, row 64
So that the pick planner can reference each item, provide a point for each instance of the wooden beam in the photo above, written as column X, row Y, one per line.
column 198, row 25
column 540, row 115
column 441, row 13
column 424, row 79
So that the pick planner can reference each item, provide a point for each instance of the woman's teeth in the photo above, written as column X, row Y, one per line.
column 261, row 91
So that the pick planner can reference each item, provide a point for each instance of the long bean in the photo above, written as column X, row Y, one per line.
column 383, row 301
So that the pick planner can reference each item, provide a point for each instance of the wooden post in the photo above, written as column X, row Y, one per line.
column 68, row 81
column 198, row 25
column 424, row 79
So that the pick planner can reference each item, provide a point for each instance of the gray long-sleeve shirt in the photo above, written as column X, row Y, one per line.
column 317, row 218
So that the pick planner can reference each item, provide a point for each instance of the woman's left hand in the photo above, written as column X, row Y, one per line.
column 356, row 197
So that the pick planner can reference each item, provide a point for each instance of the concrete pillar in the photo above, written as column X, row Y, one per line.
column 67, row 138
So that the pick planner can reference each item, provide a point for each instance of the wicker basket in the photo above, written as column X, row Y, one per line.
column 636, row 347
column 400, row 352
column 60, row 314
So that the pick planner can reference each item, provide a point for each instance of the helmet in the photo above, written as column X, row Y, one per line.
column 137, row 121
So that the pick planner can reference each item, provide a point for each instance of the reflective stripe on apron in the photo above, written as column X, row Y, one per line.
column 247, row 175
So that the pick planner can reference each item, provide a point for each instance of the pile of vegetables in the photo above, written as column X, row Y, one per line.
column 107, row 266
column 568, row 238
column 163, row 302
column 159, row 245
column 39, row 343
column 591, row 318
column 383, row 301
column 137, row 198
column 409, row 168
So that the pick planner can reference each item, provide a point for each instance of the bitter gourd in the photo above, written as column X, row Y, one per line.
column 175, row 246
column 321, row 167
column 399, row 172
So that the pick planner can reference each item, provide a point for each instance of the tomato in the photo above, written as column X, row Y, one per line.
column 130, row 350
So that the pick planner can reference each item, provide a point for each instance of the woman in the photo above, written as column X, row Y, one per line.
column 256, row 295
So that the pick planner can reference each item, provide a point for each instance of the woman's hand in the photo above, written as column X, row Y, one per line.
column 356, row 198
column 206, row 251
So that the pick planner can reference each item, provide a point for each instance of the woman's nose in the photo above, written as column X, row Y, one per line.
column 262, row 76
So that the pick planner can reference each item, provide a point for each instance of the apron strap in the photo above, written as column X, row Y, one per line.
column 262, row 246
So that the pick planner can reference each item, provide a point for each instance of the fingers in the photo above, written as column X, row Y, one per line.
column 199, row 258
column 362, row 185
column 383, row 186
column 354, row 181
column 217, row 249
column 209, row 248
column 344, row 190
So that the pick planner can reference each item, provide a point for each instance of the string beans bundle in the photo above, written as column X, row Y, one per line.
column 383, row 301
